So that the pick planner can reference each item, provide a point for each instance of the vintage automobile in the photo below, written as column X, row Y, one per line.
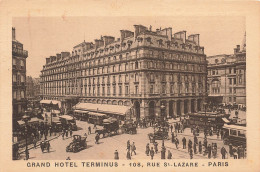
column 67, row 120
column 96, row 118
column 78, row 143
column 110, row 126
column 129, row 127
column 234, row 134
column 158, row 134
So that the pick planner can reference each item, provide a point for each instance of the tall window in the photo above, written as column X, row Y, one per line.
column 120, row 90
column 126, row 66
column 126, row 90
column 114, row 90
column 103, row 91
column 151, row 77
column 108, row 90
column 151, row 89
column 136, row 89
column 172, row 89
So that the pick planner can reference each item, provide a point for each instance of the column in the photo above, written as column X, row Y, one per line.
column 174, row 108
column 167, row 109
column 189, row 105
column 182, row 107
column 142, row 110
column 195, row 105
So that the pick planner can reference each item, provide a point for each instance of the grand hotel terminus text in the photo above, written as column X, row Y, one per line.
column 153, row 73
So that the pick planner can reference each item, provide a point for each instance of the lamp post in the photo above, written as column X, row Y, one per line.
column 26, row 119
column 205, row 107
column 163, row 111
column 51, row 105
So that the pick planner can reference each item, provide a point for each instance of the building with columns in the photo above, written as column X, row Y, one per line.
column 152, row 72
column 19, row 56
column 227, row 77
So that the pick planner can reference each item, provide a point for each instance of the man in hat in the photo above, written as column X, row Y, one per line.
column 184, row 142
column 116, row 155
column 133, row 148
column 169, row 155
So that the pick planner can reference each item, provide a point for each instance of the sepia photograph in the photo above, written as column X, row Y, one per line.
column 129, row 88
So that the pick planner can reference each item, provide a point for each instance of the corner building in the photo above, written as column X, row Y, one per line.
column 152, row 72
column 19, row 56
column 227, row 77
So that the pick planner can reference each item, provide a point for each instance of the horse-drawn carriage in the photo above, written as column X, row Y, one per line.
column 78, row 143
column 45, row 145
column 159, row 133
column 110, row 126
column 129, row 127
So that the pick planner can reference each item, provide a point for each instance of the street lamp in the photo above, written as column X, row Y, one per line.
column 205, row 107
column 163, row 111
column 51, row 105
column 26, row 119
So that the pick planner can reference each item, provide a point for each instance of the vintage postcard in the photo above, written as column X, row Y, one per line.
column 93, row 86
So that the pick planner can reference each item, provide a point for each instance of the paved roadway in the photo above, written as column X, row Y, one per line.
column 105, row 149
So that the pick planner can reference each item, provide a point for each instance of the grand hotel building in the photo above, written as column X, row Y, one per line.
column 151, row 72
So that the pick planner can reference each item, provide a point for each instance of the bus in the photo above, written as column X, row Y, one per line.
column 234, row 134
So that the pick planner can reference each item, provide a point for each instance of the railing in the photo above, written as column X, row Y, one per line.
column 20, row 52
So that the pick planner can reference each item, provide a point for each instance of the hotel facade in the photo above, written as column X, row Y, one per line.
column 152, row 72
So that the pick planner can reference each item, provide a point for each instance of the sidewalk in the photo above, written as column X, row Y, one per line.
column 31, row 146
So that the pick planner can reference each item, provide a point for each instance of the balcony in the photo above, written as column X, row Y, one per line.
column 19, row 52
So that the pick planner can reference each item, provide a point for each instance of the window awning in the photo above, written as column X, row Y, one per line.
column 66, row 117
column 103, row 108
column 81, row 111
column 35, row 120
column 49, row 102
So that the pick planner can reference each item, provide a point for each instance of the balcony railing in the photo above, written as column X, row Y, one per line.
column 19, row 52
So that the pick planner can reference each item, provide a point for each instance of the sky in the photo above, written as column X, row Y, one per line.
column 46, row 36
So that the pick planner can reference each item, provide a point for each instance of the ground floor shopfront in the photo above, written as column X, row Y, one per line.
column 142, row 107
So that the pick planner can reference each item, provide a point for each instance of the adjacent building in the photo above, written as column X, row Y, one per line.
column 32, row 88
column 19, row 56
column 152, row 73
column 227, row 77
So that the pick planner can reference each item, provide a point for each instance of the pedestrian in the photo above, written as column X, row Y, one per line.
column 191, row 153
column 169, row 155
column 70, row 132
column 184, row 142
column 163, row 152
column 35, row 143
column 195, row 148
column 200, row 147
column 217, row 133
column 63, row 133
column 209, row 151
column 152, row 153
column 133, row 148
column 128, row 156
column 89, row 130
column 116, row 155
column 97, row 138
column 189, row 145
column 234, row 152
column 128, row 145
column 195, row 139
column 42, row 146
column 230, row 149
column 223, row 152
column 27, row 154
column 171, row 128
column 239, row 152
column 48, row 146
column 50, row 130
column 205, row 142
column 173, row 137
column 147, row 150
column 156, row 147
column 176, row 143
column 221, row 134
column 67, row 133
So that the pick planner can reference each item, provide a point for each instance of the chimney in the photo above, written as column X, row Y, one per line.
column 48, row 60
column 13, row 33
column 238, row 48
column 64, row 55
column 99, row 43
column 108, row 40
column 58, row 57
